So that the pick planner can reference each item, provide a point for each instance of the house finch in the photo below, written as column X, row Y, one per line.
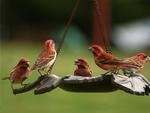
column 108, row 61
column 139, row 59
column 20, row 72
column 46, row 58
column 83, row 68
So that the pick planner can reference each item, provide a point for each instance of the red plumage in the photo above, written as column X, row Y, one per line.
column 46, row 58
column 83, row 68
column 108, row 61
column 139, row 59
column 20, row 72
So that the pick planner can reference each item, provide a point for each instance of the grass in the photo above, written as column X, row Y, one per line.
column 58, row 100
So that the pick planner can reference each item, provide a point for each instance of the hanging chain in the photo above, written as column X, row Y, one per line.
column 101, row 24
column 66, row 30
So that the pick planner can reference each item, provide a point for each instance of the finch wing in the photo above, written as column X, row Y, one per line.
column 13, row 71
column 40, row 62
column 117, row 62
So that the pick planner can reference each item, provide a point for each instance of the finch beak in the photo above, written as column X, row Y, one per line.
column 90, row 48
column 148, row 58
column 27, row 64
column 76, row 62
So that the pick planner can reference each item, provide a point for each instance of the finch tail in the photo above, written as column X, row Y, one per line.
column 6, row 78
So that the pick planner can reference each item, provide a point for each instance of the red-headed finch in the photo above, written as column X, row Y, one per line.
column 108, row 61
column 139, row 59
column 46, row 58
column 20, row 72
column 83, row 68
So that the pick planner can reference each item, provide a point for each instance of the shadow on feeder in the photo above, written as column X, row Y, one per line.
column 78, row 84
column 28, row 87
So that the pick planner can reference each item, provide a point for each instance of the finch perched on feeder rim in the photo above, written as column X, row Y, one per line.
column 20, row 72
column 107, row 61
column 46, row 58
column 139, row 59
column 83, row 68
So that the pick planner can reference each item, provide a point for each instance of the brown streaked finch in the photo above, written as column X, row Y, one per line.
column 107, row 61
column 20, row 72
column 139, row 59
column 83, row 68
column 46, row 58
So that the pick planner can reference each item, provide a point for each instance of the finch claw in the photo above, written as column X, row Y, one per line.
column 48, row 73
column 40, row 73
column 22, row 84
column 12, row 87
column 65, row 77
column 106, row 73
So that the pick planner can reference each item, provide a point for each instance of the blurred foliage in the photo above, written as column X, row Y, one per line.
column 54, row 10
column 129, row 10
column 42, row 16
column 35, row 19
column 49, row 12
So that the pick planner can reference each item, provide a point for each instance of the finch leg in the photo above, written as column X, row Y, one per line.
column 40, row 73
column 22, row 84
column 116, row 71
column 126, row 74
column 49, row 71
column 12, row 86
column 106, row 72
column 46, row 72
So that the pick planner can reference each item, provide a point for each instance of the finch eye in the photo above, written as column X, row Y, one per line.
column 94, row 49
column 20, row 63
column 80, row 60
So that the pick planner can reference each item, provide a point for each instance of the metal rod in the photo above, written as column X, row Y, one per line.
column 66, row 30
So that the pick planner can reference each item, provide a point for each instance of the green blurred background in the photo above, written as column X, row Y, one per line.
column 24, row 27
